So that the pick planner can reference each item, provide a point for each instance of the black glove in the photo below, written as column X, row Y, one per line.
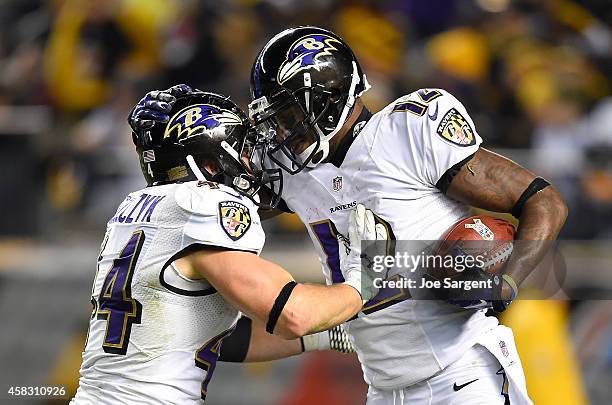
column 483, row 297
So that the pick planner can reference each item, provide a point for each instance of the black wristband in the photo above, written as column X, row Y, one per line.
column 536, row 185
column 236, row 346
column 278, row 306
column 302, row 344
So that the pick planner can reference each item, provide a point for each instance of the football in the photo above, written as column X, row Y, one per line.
column 478, row 241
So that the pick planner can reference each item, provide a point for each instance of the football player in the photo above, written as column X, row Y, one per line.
column 179, row 263
column 419, row 166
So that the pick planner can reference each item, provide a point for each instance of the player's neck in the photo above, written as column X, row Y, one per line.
column 340, row 143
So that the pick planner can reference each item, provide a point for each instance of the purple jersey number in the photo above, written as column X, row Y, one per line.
column 327, row 234
column 206, row 357
column 115, row 302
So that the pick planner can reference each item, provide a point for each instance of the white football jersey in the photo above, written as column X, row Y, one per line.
column 154, row 335
column 392, row 167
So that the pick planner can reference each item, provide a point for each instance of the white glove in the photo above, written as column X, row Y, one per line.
column 362, row 227
column 335, row 338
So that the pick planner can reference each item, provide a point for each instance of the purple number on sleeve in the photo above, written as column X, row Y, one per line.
column 428, row 95
column 206, row 357
column 416, row 107
column 115, row 303
column 327, row 233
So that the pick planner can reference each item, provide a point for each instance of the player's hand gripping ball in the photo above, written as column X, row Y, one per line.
column 482, row 236
column 480, row 247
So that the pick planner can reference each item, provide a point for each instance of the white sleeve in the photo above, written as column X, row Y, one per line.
column 449, row 138
column 219, row 217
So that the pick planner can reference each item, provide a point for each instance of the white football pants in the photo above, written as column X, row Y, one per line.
column 477, row 378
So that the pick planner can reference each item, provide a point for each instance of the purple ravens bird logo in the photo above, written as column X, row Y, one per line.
column 200, row 118
column 304, row 53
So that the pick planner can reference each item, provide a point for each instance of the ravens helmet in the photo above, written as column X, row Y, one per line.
column 304, row 84
column 205, row 131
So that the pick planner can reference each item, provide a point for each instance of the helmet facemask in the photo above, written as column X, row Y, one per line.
column 269, row 179
column 288, row 127
column 237, row 166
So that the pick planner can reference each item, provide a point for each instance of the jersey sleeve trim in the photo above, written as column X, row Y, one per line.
column 447, row 178
column 184, row 252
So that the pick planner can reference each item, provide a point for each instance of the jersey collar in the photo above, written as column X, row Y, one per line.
column 352, row 134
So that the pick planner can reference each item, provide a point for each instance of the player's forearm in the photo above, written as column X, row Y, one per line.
column 541, row 221
column 313, row 308
column 258, row 292
column 266, row 347
column 249, row 342
column 255, row 286
column 495, row 183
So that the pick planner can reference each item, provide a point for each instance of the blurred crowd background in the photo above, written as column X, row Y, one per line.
column 535, row 75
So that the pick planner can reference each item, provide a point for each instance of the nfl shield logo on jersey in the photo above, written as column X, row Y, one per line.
column 235, row 219
column 337, row 183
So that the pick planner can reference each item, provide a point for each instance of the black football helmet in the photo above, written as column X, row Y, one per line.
column 304, row 84
column 204, row 128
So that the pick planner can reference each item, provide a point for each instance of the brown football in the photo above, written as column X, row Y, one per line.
column 482, row 236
